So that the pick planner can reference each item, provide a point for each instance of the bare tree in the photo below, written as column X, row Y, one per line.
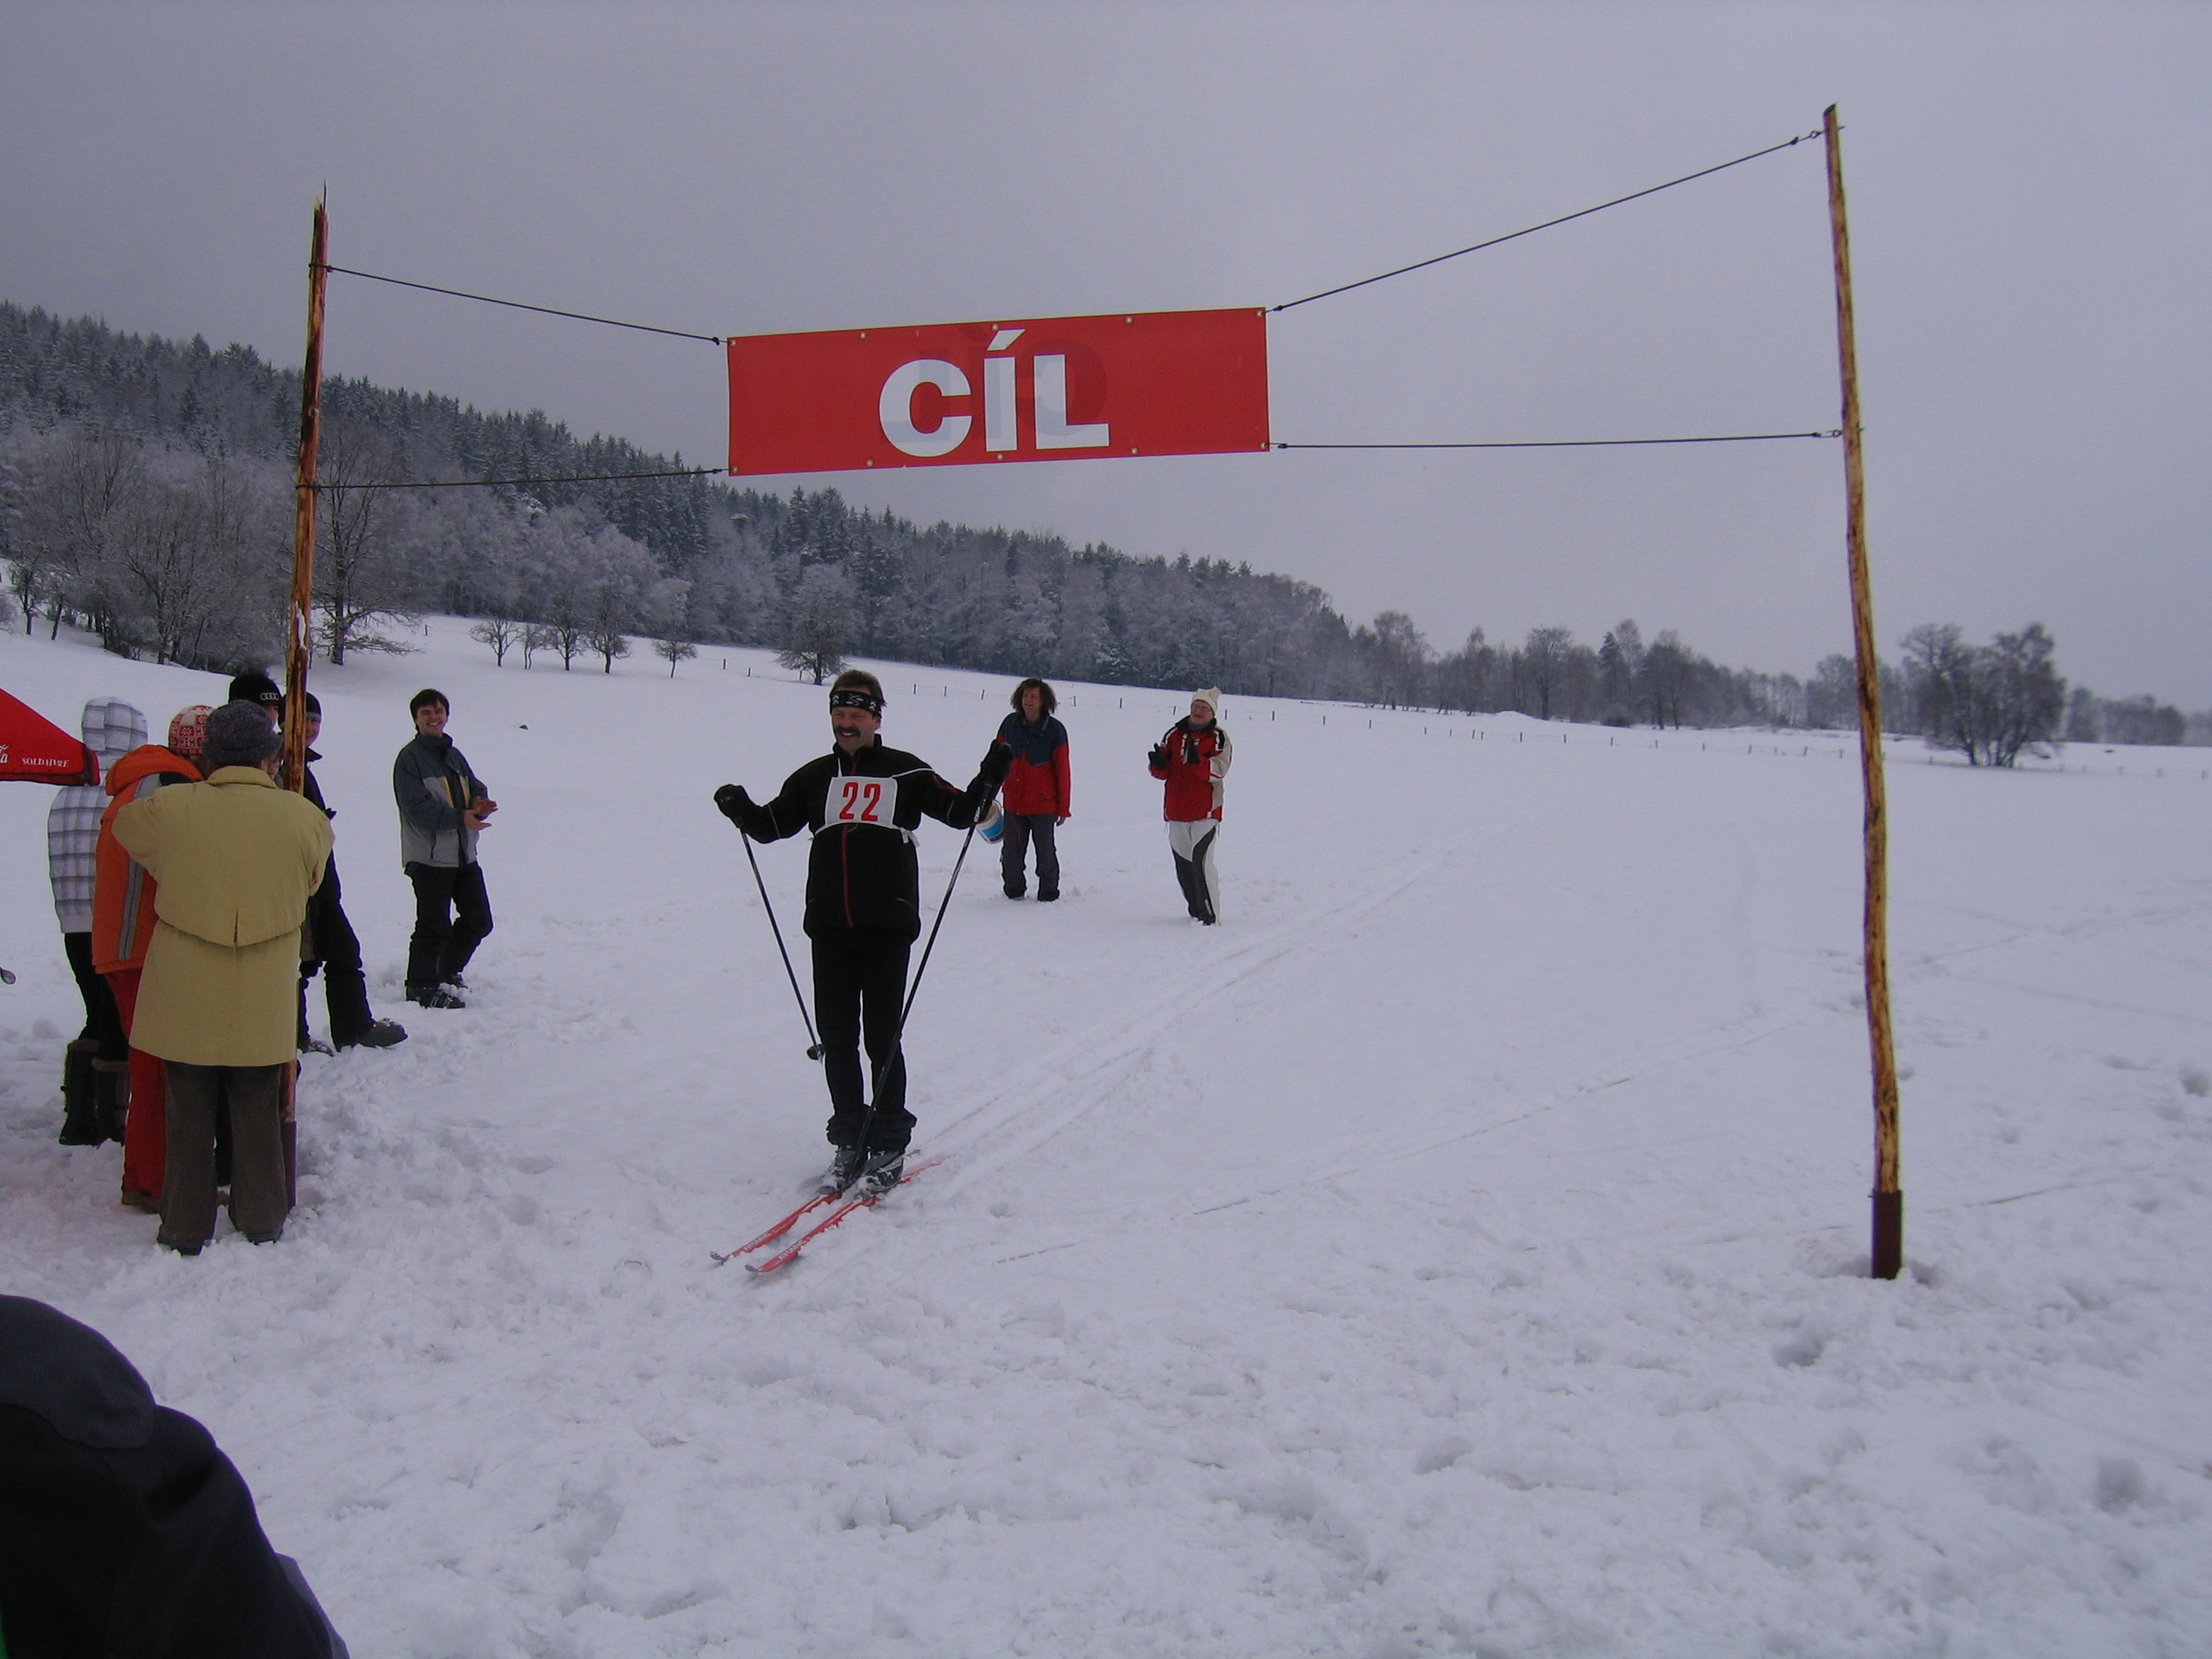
column 1669, row 670
column 501, row 633
column 2019, row 699
column 177, row 563
column 360, row 575
column 1398, row 659
column 606, row 631
column 1620, row 666
column 1464, row 678
column 1991, row 703
column 817, row 622
column 1544, row 660
column 80, row 491
column 1939, row 676
column 1831, row 697
column 673, row 651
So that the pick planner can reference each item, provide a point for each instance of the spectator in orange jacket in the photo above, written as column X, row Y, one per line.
column 122, row 923
column 1035, row 800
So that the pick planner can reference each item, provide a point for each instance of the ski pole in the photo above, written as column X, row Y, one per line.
column 813, row 1043
column 876, row 1088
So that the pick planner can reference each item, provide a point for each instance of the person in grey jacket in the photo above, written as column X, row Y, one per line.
column 442, row 808
column 96, row 1065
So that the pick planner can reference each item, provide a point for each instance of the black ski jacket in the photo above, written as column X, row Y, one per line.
column 863, row 875
column 124, row 1532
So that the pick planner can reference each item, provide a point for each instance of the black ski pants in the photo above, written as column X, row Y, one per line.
column 451, row 916
column 860, row 976
column 337, row 952
column 1021, row 829
column 103, row 1020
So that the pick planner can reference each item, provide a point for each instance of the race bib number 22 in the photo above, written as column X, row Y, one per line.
column 856, row 799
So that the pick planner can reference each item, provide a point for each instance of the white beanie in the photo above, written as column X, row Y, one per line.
column 1210, row 696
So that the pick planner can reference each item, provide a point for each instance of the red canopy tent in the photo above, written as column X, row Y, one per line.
column 33, row 750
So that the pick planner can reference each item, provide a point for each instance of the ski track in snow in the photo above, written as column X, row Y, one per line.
column 1459, row 1250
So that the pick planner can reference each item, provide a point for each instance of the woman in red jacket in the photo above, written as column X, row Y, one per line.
column 1191, row 758
column 1036, row 800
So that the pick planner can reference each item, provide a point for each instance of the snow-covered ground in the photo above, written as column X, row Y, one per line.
column 1460, row 1250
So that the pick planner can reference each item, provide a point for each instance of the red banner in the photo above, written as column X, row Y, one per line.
column 964, row 394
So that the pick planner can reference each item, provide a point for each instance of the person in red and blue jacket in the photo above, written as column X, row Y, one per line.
column 1192, row 758
column 862, row 802
column 1036, row 800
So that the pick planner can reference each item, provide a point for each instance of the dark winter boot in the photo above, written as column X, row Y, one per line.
column 885, row 1170
column 111, row 1097
column 846, row 1164
column 80, row 1117
column 433, row 996
column 380, row 1034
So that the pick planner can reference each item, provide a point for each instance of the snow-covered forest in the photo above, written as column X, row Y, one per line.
column 145, row 493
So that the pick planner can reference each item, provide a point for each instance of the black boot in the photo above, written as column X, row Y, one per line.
column 80, row 1117
column 885, row 1170
column 111, row 1097
column 846, row 1164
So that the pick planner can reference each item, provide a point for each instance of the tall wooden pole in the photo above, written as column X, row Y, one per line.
column 300, row 643
column 1888, row 1252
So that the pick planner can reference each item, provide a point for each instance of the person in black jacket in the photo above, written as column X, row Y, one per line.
column 330, row 933
column 863, row 802
column 124, row 1532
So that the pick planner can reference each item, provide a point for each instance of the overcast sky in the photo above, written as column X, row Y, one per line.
column 2029, row 219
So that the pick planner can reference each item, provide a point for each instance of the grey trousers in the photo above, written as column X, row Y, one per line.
column 257, row 1201
column 1023, row 829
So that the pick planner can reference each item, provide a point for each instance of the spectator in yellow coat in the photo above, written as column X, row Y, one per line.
column 235, row 858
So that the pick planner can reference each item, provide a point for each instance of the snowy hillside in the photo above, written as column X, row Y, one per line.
column 1459, row 1250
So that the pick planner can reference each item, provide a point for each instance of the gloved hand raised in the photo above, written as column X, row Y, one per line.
column 998, row 761
column 730, row 802
column 1158, row 758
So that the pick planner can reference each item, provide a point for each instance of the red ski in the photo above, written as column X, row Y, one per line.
column 781, row 1228
column 789, row 1253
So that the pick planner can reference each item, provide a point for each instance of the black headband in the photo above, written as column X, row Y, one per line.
column 853, row 697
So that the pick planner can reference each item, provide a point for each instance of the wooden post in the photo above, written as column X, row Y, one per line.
column 300, row 643
column 1888, row 1250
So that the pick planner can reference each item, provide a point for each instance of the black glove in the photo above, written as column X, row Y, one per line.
column 998, row 761
column 730, row 801
column 1159, row 757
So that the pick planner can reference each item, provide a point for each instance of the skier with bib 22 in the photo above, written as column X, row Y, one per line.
column 863, row 802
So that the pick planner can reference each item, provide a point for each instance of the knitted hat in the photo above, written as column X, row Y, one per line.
column 238, row 734
column 1210, row 696
column 254, row 686
column 188, row 731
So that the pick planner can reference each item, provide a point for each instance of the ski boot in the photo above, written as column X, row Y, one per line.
column 846, row 1164
column 884, row 1170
